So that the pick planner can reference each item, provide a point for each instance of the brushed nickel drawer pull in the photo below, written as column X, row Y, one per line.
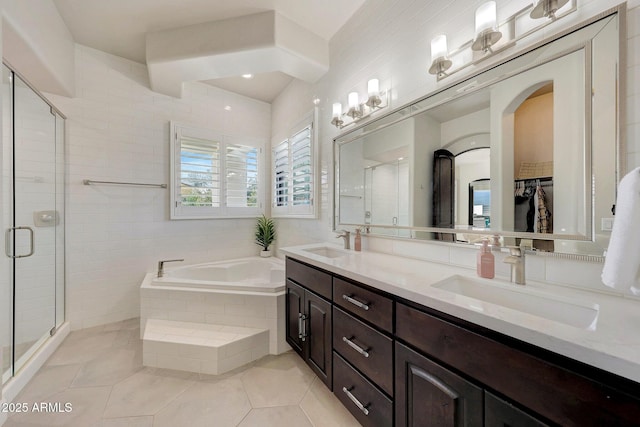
column 355, row 346
column 360, row 406
column 355, row 302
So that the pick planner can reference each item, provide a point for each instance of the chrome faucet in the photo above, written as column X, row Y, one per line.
column 516, row 259
column 346, row 235
column 161, row 265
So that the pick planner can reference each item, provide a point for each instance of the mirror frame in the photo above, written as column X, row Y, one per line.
column 588, row 245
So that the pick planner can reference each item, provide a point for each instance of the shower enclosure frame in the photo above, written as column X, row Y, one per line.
column 36, row 216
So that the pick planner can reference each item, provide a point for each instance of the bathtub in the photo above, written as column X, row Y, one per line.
column 248, row 292
column 253, row 274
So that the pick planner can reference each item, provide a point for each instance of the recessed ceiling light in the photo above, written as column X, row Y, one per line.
column 227, row 107
column 247, row 76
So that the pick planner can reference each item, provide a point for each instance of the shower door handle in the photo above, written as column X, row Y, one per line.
column 7, row 242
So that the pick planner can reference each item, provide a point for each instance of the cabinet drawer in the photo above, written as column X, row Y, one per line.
column 365, row 348
column 366, row 304
column 555, row 393
column 368, row 404
column 309, row 277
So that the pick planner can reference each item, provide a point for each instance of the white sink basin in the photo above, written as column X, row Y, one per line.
column 525, row 300
column 326, row 252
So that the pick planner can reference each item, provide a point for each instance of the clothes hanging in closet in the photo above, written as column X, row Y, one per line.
column 542, row 213
column 533, row 203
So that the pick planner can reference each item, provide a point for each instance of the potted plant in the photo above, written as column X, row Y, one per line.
column 265, row 234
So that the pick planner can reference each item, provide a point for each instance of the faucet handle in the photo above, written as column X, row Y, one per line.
column 515, row 251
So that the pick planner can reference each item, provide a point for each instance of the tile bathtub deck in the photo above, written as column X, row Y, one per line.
column 99, row 372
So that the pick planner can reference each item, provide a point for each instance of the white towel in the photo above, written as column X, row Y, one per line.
column 622, row 263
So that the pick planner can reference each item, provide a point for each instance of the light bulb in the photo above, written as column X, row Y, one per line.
column 373, row 87
column 353, row 100
column 486, row 17
column 337, row 110
column 439, row 47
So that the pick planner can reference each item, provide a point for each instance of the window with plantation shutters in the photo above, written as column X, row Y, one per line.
column 293, row 175
column 214, row 175
column 281, row 175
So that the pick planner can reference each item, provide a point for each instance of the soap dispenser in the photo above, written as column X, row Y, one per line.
column 357, row 241
column 486, row 261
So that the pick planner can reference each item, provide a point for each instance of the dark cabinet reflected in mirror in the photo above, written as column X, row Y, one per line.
column 527, row 149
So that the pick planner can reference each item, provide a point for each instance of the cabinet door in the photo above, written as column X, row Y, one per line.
column 498, row 413
column 427, row 394
column 294, row 308
column 318, row 336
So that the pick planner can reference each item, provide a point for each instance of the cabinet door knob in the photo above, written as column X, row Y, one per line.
column 355, row 346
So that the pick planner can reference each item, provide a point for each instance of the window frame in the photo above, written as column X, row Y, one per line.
column 290, row 210
column 177, row 211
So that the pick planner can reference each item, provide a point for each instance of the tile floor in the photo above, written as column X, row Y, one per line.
column 99, row 371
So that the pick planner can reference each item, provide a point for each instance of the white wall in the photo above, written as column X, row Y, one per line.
column 38, row 44
column 390, row 41
column 118, row 130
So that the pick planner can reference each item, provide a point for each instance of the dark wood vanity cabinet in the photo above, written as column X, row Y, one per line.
column 428, row 394
column 360, row 396
column 309, row 318
column 394, row 362
column 363, row 352
column 543, row 384
column 498, row 413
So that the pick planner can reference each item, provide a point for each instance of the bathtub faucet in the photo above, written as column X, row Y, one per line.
column 161, row 265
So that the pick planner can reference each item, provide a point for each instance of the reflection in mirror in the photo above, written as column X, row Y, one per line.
column 518, row 150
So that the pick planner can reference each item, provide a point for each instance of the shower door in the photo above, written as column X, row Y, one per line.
column 34, row 241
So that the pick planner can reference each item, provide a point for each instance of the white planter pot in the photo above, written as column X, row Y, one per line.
column 265, row 254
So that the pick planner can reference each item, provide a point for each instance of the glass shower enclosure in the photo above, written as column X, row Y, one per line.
column 32, row 197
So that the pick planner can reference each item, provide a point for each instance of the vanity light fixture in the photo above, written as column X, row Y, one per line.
column 247, row 76
column 439, row 61
column 487, row 33
column 337, row 113
column 354, row 111
column 547, row 9
column 357, row 110
column 373, row 90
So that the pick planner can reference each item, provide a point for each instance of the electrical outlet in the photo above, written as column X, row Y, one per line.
column 607, row 224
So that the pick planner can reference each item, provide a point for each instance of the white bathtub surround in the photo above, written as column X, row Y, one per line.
column 603, row 344
column 200, row 347
column 246, row 293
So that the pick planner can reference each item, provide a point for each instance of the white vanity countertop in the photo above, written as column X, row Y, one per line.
column 613, row 345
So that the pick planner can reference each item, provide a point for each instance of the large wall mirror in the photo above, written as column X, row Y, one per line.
column 528, row 149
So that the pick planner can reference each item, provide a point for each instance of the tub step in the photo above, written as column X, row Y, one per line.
column 201, row 347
